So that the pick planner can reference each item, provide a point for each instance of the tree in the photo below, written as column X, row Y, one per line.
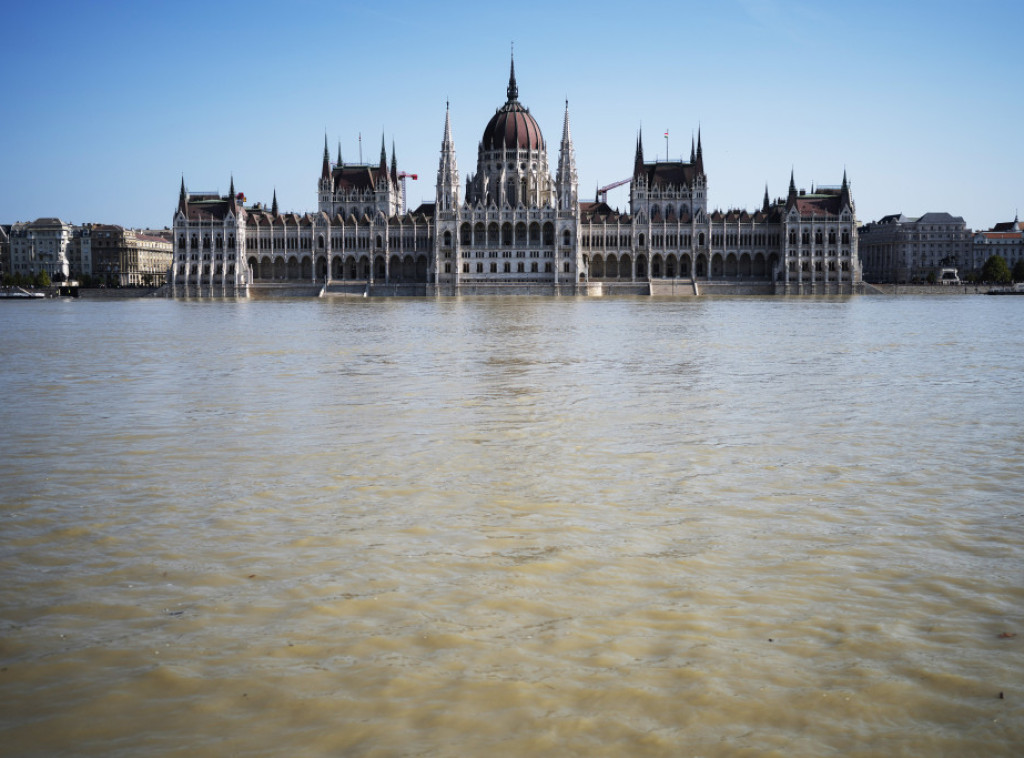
column 1018, row 271
column 996, row 270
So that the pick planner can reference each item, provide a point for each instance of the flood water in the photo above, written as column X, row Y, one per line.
column 513, row 526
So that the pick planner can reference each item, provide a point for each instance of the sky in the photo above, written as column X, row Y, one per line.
column 108, row 105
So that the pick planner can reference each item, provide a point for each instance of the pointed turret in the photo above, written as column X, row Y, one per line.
column 183, row 198
column 273, row 207
column 383, row 159
column 693, row 153
column 325, row 171
column 339, row 154
column 766, row 204
column 700, row 154
column 791, row 198
column 394, row 164
column 844, row 193
column 232, row 200
column 638, row 161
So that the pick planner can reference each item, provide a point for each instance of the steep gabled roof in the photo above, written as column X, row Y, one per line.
column 359, row 177
column 670, row 174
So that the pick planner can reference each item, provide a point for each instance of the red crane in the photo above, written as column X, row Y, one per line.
column 602, row 193
column 402, row 175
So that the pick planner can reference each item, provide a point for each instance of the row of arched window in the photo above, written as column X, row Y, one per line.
column 819, row 237
column 217, row 241
column 492, row 234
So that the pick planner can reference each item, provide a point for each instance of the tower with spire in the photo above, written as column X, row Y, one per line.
column 566, row 179
column 669, row 189
column 447, row 170
column 358, row 189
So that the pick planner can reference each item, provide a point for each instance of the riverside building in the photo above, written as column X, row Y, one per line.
column 902, row 249
column 1005, row 239
column 517, row 227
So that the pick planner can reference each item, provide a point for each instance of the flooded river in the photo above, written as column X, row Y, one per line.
column 513, row 527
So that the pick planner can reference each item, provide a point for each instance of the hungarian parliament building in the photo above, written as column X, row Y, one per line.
column 516, row 228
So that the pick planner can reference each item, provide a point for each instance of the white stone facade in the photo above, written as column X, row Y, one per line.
column 41, row 245
column 514, row 227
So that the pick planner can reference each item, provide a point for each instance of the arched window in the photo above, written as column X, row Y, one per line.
column 566, row 237
column 447, row 239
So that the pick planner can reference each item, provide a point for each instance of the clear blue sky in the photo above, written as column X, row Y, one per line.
column 109, row 104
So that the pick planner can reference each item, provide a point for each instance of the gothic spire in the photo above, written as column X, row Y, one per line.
column 700, row 153
column 446, row 143
column 447, row 169
column 638, row 161
column 325, row 171
column 791, row 198
column 273, row 207
column 394, row 164
column 183, row 197
column 339, row 152
column 513, row 90
column 232, row 201
column 693, row 154
column 766, row 204
column 568, row 181
column 844, row 193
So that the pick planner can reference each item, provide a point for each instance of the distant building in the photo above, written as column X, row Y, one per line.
column 901, row 249
column 517, row 226
column 5, row 249
column 41, row 245
column 127, row 257
column 1005, row 239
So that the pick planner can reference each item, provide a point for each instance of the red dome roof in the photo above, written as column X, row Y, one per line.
column 513, row 128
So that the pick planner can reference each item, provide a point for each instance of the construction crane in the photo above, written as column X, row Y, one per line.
column 402, row 175
column 602, row 193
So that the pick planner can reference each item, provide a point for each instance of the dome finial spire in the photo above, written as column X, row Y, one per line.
column 513, row 90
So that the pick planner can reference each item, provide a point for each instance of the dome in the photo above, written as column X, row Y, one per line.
column 512, row 127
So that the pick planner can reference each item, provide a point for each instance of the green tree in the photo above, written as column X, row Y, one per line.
column 1018, row 271
column 996, row 270
column 43, row 279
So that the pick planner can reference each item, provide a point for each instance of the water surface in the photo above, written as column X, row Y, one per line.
column 512, row 526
